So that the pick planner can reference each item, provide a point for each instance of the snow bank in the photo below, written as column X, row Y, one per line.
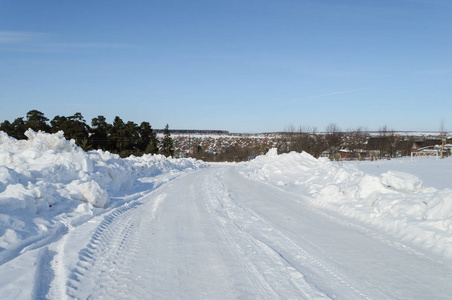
column 46, row 181
column 394, row 201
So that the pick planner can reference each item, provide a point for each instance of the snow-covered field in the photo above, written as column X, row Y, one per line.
column 93, row 225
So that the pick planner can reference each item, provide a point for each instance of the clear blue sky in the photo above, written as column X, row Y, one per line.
column 242, row 66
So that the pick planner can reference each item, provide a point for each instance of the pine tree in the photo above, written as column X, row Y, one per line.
column 19, row 128
column 148, row 140
column 116, row 135
column 7, row 128
column 74, row 127
column 167, row 143
column 152, row 147
column 37, row 121
column 77, row 129
column 99, row 137
column 59, row 123
column 130, row 139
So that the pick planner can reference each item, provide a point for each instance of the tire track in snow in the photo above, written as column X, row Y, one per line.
column 377, row 264
column 105, row 264
column 211, row 240
column 262, row 237
column 50, row 272
column 350, row 222
column 44, row 273
column 273, row 274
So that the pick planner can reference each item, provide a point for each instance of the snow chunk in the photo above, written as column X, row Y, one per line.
column 272, row 152
column 330, row 193
column 89, row 192
column 401, row 181
column 370, row 187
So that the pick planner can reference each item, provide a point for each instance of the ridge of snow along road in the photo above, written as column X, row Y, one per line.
column 394, row 201
column 48, row 183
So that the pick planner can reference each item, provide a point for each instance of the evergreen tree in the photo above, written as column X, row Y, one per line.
column 37, row 121
column 120, row 137
column 85, row 145
column 7, row 128
column 19, row 128
column 74, row 127
column 148, row 143
column 130, row 139
column 77, row 129
column 152, row 147
column 99, row 138
column 116, row 135
column 167, row 143
column 59, row 123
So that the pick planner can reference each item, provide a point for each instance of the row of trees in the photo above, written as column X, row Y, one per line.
column 128, row 138
column 123, row 138
column 314, row 143
column 334, row 139
column 231, row 154
column 358, row 142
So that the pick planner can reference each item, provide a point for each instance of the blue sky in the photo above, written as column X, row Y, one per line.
column 242, row 66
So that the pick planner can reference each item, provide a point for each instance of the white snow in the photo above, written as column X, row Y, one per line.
column 394, row 201
column 92, row 225
column 47, row 182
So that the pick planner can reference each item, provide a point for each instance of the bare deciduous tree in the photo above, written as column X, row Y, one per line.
column 355, row 141
column 333, row 139
column 388, row 144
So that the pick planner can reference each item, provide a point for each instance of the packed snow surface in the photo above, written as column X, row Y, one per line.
column 394, row 201
column 92, row 225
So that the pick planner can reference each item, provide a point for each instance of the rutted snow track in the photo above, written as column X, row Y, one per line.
column 213, row 234
column 272, row 274
column 109, row 257
column 291, row 271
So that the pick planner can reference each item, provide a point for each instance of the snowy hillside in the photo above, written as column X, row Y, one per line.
column 48, row 183
column 395, row 201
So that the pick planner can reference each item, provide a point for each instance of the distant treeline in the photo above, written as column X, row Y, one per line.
column 123, row 138
column 194, row 131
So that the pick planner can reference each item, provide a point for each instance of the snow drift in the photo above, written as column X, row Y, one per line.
column 47, row 183
column 394, row 201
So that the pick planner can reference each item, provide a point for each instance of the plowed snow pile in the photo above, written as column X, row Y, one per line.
column 396, row 202
column 48, row 183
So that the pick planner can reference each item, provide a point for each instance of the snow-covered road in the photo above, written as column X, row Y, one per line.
column 214, row 234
